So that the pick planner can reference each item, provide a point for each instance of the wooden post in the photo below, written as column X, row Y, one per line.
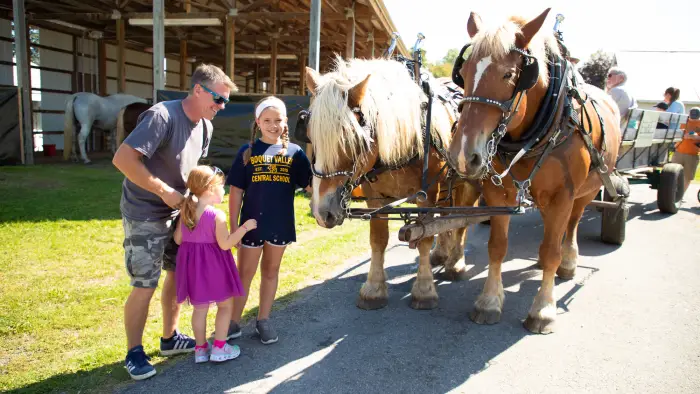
column 273, row 68
column 75, row 85
column 256, row 86
column 350, row 43
column 121, row 57
column 183, row 65
column 23, row 78
column 102, row 64
column 302, row 74
column 230, row 46
column 315, row 34
column 158, row 48
column 183, row 53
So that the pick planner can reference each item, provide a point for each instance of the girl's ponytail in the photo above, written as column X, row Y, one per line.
column 247, row 153
column 188, row 211
column 285, row 141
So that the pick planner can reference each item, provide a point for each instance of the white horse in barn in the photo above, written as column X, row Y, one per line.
column 91, row 110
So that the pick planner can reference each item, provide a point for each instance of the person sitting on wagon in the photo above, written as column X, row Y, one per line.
column 616, row 88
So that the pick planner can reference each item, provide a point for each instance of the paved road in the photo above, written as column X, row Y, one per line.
column 628, row 322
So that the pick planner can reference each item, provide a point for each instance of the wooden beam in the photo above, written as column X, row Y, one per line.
column 273, row 68
column 121, row 57
column 230, row 32
column 102, row 67
column 24, row 82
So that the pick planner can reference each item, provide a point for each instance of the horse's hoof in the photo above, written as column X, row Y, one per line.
column 453, row 275
column 424, row 303
column 88, row 163
column 371, row 303
column 437, row 259
column 539, row 326
column 566, row 273
column 485, row 316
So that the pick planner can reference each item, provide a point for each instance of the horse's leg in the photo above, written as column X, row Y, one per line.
column 82, row 140
column 373, row 294
column 423, row 294
column 543, row 312
column 567, row 268
column 488, row 307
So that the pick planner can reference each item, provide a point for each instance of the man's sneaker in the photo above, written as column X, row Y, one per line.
column 136, row 363
column 234, row 331
column 178, row 343
column 228, row 352
column 201, row 355
column 267, row 334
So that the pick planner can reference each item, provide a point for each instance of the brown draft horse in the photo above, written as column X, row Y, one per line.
column 565, row 182
column 366, row 112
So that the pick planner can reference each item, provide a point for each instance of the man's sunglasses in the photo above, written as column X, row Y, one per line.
column 217, row 99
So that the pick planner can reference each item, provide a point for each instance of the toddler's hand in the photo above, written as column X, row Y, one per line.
column 250, row 224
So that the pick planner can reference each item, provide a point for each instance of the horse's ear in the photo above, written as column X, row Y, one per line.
column 357, row 93
column 312, row 79
column 530, row 29
column 474, row 24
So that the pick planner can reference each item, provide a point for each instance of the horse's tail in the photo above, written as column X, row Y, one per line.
column 121, row 133
column 68, row 127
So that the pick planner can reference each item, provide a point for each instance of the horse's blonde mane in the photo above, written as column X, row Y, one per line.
column 496, row 41
column 391, row 108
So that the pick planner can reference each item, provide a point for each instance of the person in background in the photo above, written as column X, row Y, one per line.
column 688, row 150
column 615, row 86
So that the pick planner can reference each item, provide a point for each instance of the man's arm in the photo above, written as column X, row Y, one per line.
column 128, row 161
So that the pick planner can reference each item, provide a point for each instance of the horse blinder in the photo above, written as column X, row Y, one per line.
column 302, row 126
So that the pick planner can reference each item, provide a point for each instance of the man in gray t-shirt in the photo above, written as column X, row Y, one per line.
column 156, row 158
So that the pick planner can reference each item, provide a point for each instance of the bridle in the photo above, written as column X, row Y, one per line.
column 527, row 79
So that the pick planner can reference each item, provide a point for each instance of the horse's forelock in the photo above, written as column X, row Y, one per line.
column 390, row 108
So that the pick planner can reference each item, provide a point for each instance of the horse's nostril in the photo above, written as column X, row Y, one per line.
column 475, row 160
column 328, row 217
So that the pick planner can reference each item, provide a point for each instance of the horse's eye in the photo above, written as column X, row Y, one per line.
column 508, row 75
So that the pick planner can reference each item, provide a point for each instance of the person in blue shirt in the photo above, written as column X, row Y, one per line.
column 671, row 97
column 263, row 179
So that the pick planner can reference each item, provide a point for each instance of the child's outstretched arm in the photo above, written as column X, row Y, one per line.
column 227, row 240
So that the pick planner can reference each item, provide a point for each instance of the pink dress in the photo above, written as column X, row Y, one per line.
column 205, row 273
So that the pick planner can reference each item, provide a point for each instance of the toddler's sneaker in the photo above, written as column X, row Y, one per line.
column 136, row 363
column 228, row 352
column 201, row 354
column 178, row 343
column 267, row 334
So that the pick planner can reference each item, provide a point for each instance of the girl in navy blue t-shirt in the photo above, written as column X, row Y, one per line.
column 263, row 178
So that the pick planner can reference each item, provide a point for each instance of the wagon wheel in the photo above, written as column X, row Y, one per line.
column 671, row 186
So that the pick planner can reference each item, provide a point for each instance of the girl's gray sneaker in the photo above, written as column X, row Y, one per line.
column 234, row 330
column 267, row 334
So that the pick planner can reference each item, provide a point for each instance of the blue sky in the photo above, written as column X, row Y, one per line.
column 611, row 25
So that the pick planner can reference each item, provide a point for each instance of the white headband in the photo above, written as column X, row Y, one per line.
column 271, row 102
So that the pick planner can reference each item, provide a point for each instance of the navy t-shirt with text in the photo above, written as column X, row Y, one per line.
column 269, row 181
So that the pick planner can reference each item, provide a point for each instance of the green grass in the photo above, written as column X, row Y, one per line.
column 63, row 282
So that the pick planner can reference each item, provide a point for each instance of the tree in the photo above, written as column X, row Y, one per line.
column 33, row 39
column 443, row 68
column 595, row 70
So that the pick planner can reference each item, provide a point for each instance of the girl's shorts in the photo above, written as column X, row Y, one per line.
column 259, row 243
